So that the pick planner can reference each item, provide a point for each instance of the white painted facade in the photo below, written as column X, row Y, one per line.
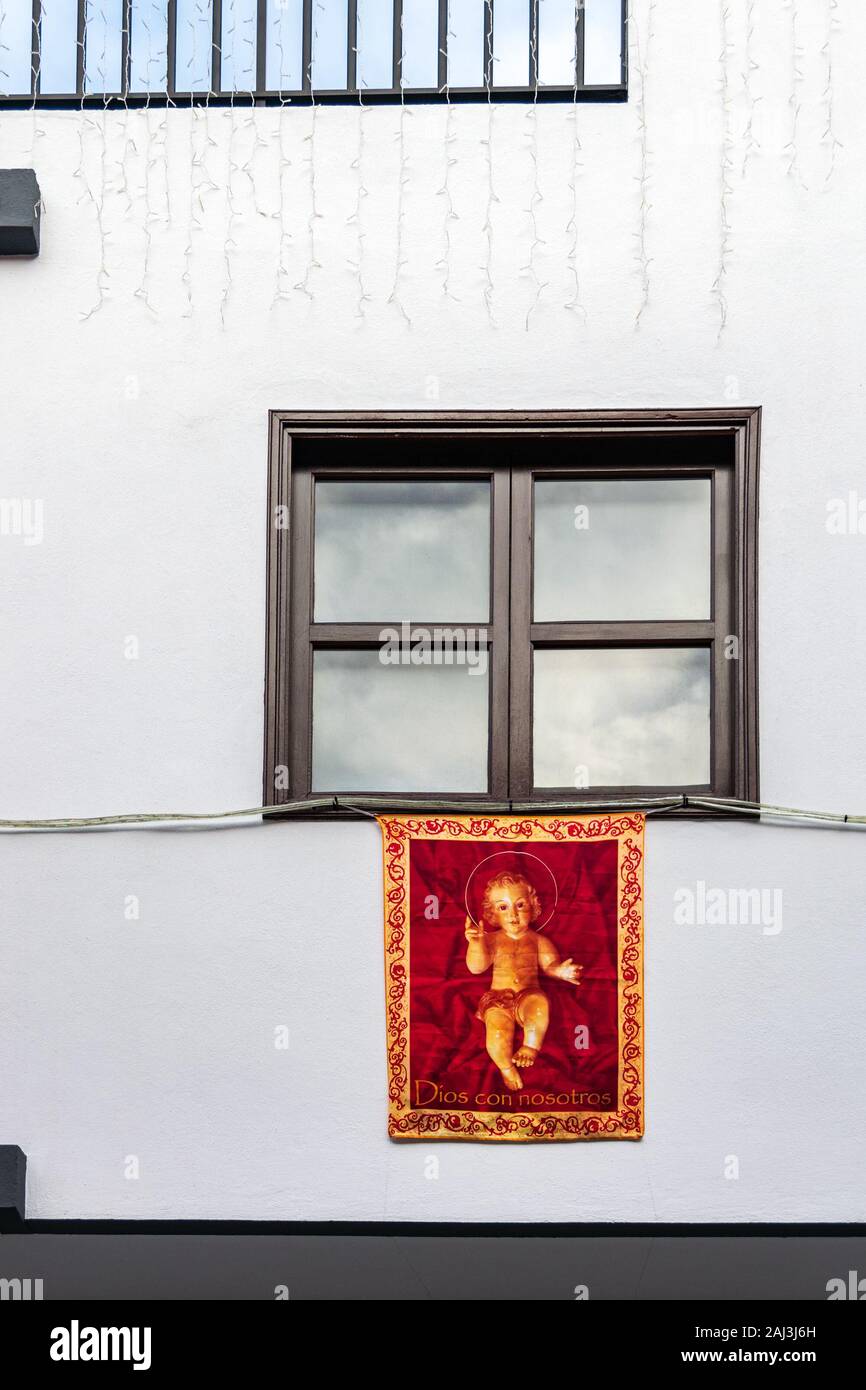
column 142, row 430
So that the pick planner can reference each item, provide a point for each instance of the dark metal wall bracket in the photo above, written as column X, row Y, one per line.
column 13, row 1182
column 20, row 212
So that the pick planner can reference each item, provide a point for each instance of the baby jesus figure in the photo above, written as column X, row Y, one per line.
column 510, row 906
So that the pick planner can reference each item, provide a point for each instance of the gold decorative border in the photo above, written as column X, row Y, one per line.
column 406, row 1122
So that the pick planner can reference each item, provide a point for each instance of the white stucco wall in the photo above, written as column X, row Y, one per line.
column 143, row 431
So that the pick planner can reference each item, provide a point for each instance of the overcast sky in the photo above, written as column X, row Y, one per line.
column 619, row 550
column 388, row 551
column 622, row 718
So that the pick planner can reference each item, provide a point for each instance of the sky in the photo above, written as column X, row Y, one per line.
column 621, row 717
column 420, row 43
column 593, row 536
column 388, row 551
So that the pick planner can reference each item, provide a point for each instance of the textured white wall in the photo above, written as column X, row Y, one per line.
column 142, row 429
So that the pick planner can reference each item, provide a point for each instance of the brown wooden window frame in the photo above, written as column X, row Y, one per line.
column 292, row 636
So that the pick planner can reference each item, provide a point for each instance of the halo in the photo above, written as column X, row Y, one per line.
column 514, row 854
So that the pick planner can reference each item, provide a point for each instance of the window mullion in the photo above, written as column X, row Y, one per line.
column 520, row 683
column 301, row 677
column 726, row 657
column 500, row 606
column 621, row 634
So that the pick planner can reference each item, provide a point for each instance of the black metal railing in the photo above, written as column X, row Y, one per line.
column 136, row 52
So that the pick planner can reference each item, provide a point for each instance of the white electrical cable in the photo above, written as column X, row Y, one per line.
column 651, row 805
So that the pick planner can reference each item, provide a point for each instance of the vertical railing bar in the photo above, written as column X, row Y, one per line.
column 443, row 45
column 171, row 50
column 307, row 47
column 216, row 51
column 125, row 47
column 533, row 43
column 580, row 45
column 397, row 57
column 80, row 40
column 36, row 49
column 488, row 45
column 352, row 48
column 262, row 45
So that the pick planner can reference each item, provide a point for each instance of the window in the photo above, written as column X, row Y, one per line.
column 534, row 608
column 90, row 51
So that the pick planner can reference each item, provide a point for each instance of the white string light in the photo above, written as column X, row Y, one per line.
column 161, row 149
column 151, row 160
column 35, row 72
column 444, row 262
column 122, row 185
column 252, row 123
column 4, row 47
column 536, row 196
column 157, row 145
column 247, row 167
column 572, row 229
column 281, row 290
column 642, row 55
column 356, row 218
column 726, row 166
column 792, row 149
column 79, row 172
column 229, row 243
column 829, row 137
column 751, row 145
column 403, row 179
column 312, row 260
column 487, row 229
column 150, row 215
column 194, row 172
column 205, row 182
column 102, row 273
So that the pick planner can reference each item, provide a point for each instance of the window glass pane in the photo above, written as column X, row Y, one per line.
column 420, row 43
column 330, row 44
column 375, row 43
column 393, row 550
column 285, row 50
column 194, row 40
column 16, row 59
column 621, row 717
column 466, row 43
column 393, row 728
column 59, row 46
column 148, row 36
column 557, row 42
column 603, row 43
column 622, row 550
column 510, row 43
column 102, row 46
column 239, row 46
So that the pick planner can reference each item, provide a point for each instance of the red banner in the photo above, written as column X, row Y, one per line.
column 514, row 976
